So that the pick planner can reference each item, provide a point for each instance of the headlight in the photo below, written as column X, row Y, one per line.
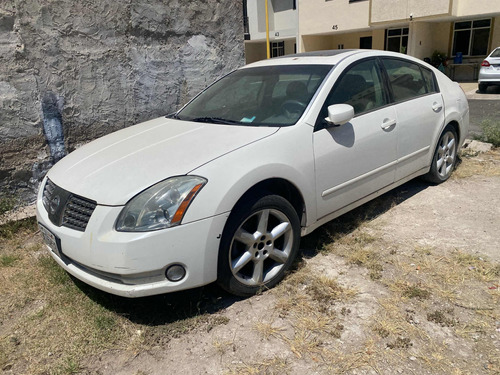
column 161, row 206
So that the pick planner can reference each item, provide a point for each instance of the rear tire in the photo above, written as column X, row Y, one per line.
column 258, row 245
column 482, row 87
column 445, row 157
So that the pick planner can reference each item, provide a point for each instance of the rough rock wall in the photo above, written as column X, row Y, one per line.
column 73, row 70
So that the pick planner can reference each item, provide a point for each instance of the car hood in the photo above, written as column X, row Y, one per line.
column 113, row 169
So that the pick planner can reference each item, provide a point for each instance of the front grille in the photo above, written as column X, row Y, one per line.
column 77, row 212
column 48, row 191
column 67, row 209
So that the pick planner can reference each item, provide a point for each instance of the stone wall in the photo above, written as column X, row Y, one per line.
column 71, row 71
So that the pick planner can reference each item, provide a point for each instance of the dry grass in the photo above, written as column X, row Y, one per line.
column 49, row 322
column 486, row 164
column 274, row 365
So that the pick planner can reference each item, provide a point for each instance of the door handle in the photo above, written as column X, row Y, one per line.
column 436, row 107
column 387, row 123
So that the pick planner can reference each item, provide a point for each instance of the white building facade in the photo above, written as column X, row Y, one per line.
column 463, row 31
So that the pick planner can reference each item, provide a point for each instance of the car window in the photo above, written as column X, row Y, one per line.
column 430, row 82
column 495, row 53
column 405, row 78
column 233, row 95
column 262, row 96
column 360, row 86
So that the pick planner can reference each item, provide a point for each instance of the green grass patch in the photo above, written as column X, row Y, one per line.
column 55, row 274
column 8, row 260
column 6, row 204
column 13, row 228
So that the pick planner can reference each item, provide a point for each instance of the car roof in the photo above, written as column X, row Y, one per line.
column 327, row 57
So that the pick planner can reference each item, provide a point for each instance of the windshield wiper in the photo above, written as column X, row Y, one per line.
column 173, row 115
column 216, row 120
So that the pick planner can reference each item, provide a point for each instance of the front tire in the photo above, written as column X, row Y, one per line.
column 445, row 157
column 258, row 245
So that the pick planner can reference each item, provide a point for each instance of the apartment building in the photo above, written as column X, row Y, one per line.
column 283, row 28
column 462, row 30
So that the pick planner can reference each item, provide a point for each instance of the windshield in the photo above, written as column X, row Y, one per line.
column 495, row 53
column 264, row 96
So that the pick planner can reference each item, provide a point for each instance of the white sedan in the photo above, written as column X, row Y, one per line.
column 223, row 189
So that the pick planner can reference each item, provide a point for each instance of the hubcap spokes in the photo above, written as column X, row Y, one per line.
column 446, row 154
column 261, row 247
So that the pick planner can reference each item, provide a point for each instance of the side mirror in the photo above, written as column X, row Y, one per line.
column 339, row 114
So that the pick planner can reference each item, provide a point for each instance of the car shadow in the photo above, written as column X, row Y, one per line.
column 347, row 223
column 168, row 308
column 164, row 308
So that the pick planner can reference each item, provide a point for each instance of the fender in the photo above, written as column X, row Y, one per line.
column 271, row 157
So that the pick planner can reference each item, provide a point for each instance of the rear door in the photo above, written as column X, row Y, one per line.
column 419, row 112
column 357, row 158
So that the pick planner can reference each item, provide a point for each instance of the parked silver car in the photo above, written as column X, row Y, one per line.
column 489, row 74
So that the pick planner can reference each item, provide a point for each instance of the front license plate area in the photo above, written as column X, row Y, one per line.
column 51, row 240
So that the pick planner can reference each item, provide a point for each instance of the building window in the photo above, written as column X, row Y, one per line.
column 471, row 37
column 277, row 49
column 365, row 42
column 397, row 40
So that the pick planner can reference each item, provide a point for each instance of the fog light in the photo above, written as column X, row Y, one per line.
column 175, row 272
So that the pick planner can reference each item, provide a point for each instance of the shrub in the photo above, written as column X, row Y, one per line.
column 491, row 132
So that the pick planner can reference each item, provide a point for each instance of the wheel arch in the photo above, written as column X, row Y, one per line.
column 277, row 186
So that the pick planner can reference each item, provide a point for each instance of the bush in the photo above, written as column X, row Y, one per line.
column 491, row 132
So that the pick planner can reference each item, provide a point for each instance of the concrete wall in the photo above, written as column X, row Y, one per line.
column 349, row 40
column 397, row 10
column 320, row 16
column 71, row 71
column 477, row 7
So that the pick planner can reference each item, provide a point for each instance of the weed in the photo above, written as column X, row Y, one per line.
column 413, row 291
column 400, row 343
column 491, row 132
column 8, row 260
column 324, row 290
column 439, row 317
column 382, row 332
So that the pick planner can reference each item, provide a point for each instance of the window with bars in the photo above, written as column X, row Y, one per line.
column 471, row 37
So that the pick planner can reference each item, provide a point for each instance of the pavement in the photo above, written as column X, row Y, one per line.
column 481, row 106
column 472, row 93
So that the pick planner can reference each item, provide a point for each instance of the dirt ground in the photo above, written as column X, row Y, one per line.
column 406, row 284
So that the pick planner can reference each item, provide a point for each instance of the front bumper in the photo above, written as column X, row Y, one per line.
column 134, row 264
